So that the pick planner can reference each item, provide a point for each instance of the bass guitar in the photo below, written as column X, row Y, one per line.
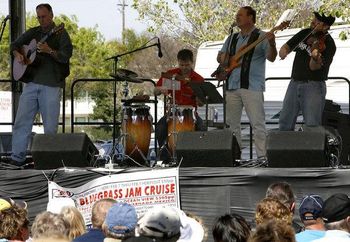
column 29, row 52
column 223, row 72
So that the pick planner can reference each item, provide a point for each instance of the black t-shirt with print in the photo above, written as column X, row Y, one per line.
column 301, row 70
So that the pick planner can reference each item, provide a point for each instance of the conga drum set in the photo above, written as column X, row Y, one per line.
column 136, row 125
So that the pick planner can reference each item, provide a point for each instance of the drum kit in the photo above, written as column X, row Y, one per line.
column 136, row 125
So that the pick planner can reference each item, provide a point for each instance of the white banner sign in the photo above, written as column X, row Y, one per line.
column 143, row 189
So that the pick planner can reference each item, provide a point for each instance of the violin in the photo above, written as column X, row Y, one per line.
column 317, row 45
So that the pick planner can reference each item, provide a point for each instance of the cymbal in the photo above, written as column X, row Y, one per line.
column 125, row 72
column 126, row 78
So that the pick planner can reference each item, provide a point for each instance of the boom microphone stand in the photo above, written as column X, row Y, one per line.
column 115, row 74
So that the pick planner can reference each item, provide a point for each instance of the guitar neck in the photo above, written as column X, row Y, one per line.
column 251, row 46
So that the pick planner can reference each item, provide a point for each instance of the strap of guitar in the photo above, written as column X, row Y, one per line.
column 246, row 61
column 231, row 49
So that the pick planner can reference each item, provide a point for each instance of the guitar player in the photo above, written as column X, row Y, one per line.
column 44, row 78
column 246, row 82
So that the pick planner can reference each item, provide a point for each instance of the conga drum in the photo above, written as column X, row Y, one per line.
column 184, row 122
column 137, row 127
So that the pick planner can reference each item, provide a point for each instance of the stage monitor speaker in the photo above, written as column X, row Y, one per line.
column 296, row 149
column 51, row 151
column 6, row 143
column 217, row 148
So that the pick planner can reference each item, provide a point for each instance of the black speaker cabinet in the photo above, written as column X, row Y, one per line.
column 296, row 149
column 6, row 143
column 341, row 122
column 51, row 151
column 217, row 148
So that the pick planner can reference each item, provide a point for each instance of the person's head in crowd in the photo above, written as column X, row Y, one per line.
column 273, row 231
column 120, row 221
column 231, row 228
column 191, row 228
column 336, row 212
column 56, row 205
column 76, row 221
column 14, row 224
column 283, row 192
column 99, row 211
column 310, row 212
column 49, row 225
column 271, row 208
column 7, row 202
column 160, row 223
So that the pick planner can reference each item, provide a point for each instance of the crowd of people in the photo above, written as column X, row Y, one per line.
column 113, row 221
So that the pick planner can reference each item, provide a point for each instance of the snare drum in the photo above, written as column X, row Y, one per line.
column 184, row 122
column 137, row 127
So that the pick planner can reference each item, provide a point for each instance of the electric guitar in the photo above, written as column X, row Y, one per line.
column 222, row 72
column 29, row 53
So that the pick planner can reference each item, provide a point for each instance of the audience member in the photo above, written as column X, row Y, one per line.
column 273, row 231
column 272, row 209
column 14, row 224
column 231, row 228
column 76, row 221
column 6, row 202
column 310, row 212
column 98, row 215
column 191, row 228
column 283, row 192
column 336, row 215
column 160, row 223
column 55, row 205
column 120, row 222
column 49, row 226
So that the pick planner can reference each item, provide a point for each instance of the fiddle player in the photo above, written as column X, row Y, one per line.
column 246, row 82
column 183, row 97
column 306, row 92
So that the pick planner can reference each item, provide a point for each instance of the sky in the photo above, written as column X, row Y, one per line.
column 105, row 14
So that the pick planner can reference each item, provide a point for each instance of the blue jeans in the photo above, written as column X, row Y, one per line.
column 307, row 97
column 35, row 98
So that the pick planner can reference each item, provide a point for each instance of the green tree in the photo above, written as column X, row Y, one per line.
column 197, row 21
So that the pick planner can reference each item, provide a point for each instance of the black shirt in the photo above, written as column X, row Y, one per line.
column 301, row 70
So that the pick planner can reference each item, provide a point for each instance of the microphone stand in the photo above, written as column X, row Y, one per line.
column 3, row 26
column 115, row 70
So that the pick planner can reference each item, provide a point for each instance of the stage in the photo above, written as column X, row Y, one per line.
column 204, row 191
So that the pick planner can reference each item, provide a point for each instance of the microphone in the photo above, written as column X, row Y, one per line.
column 234, row 24
column 160, row 54
column 7, row 18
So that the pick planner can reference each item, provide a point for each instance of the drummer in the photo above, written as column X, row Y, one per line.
column 183, row 97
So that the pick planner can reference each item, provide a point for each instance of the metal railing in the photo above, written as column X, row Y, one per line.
column 73, row 122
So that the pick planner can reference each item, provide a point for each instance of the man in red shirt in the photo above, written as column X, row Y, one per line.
column 185, row 75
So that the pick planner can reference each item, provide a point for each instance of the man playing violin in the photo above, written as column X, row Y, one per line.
column 306, row 92
column 42, row 90
column 185, row 75
column 246, row 82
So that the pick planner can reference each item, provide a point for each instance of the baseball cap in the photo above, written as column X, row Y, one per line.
column 191, row 230
column 7, row 202
column 121, row 218
column 336, row 208
column 160, row 222
column 55, row 205
column 329, row 20
column 310, row 204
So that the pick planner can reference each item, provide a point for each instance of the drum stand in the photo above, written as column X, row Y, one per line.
column 125, row 136
column 173, row 133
